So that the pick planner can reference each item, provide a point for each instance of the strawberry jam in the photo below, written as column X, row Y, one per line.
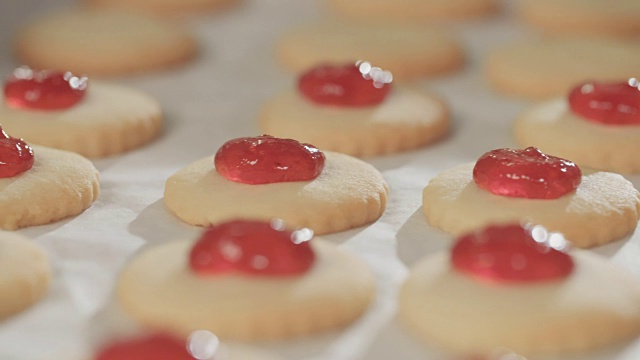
column 526, row 173
column 252, row 247
column 512, row 253
column 348, row 85
column 16, row 156
column 151, row 347
column 43, row 90
column 266, row 159
column 607, row 103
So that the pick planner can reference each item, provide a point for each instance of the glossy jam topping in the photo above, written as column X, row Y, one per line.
column 266, row 159
column 16, row 156
column 252, row 247
column 43, row 90
column 607, row 103
column 349, row 85
column 512, row 253
column 526, row 173
column 151, row 347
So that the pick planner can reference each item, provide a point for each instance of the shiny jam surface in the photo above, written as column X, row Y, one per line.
column 526, row 173
column 607, row 103
column 266, row 159
column 252, row 247
column 152, row 347
column 512, row 253
column 43, row 90
column 348, row 85
column 16, row 156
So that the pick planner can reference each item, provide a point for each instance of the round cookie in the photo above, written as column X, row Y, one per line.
column 102, row 43
column 335, row 291
column 164, row 7
column 24, row 273
column 605, row 207
column 551, row 67
column 94, row 127
column 407, row 119
column 589, row 17
column 348, row 193
column 554, row 128
column 408, row 51
column 413, row 10
column 455, row 311
column 60, row 184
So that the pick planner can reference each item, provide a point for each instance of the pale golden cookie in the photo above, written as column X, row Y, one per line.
column 102, row 43
column 413, row 10
column 597, row 305
column 551, row 67
column 407, row 119
column 605, row 207
column 408, row 51
column 554, row 128
column 111, row 119
column 158, row 289
column 24, row 273
column 164, row 7
column 348, row 193
column 60, row 184
column 590, row 17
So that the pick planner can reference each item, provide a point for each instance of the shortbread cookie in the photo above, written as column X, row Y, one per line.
column 102, row 43
column 604, row 207
column 409, row 51
column 347, row 193
column 24, row 271
column 164, row 7
column 330, row 292
column 109, row 119
column 590, row 17
column 472, row 315
column 415, row 10
column 60, row 184
column 551, row 67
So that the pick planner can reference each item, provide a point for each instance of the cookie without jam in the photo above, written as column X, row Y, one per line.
column 413, row 10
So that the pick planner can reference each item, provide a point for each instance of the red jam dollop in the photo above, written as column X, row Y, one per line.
column 512, row 253
column 43, row 89
column 266, row 159
column 252, row 247
column 348, row 85
column 152, row 347
column 526, row 173
column 607, row 103
column 16, row 156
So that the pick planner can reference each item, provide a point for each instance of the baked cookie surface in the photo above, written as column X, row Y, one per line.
column 348, row 193
column 408, row 118
column 408, row 51
column 419, row 10
column 605, row 207
column 164, row 7
column 60, row 184
column 113, row 43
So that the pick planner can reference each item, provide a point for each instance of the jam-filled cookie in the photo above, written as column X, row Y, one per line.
column 597, row 125
column 519, row 288
column 265, row 177
column 413, row 10
column 164, row 7
column 246, row 280
column 39, row 185
column 590, row 207
column 354, row 109
column 69, row 112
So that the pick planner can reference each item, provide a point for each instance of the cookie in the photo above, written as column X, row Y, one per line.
column 471, row 315
column 408, row 51
column 551, row 67
column 588, row 17
column 164, row 7
column 604, row 207
column 346, row 194
column 93, row 127
column 413, row 10
column 24, row 273
column 219, row 287
column 102, row 43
